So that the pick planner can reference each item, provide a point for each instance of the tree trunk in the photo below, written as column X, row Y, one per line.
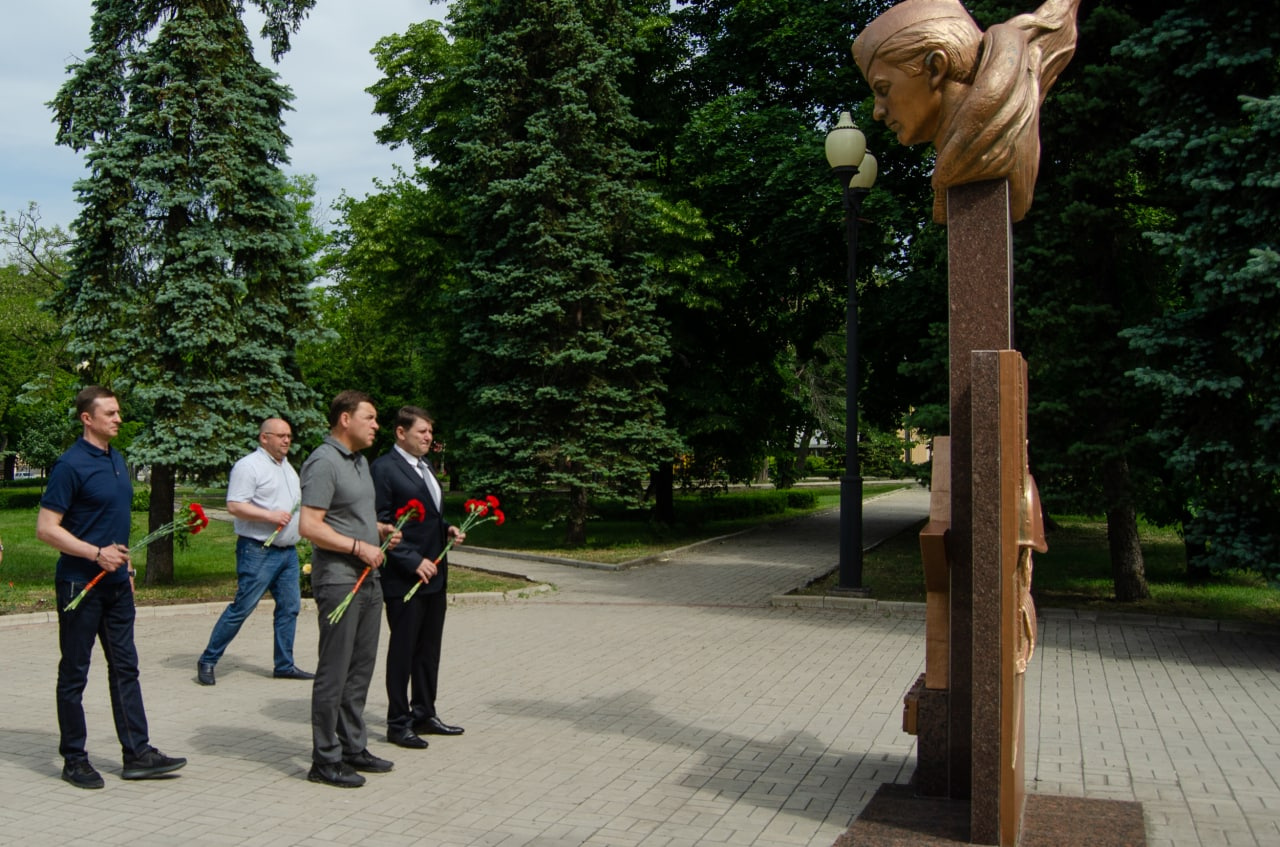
column 1198, row 572
column 663, row 481
column 801, row 467
column 1128, row 569
column 576, row 530
column 160, row 551
column 1050, row 525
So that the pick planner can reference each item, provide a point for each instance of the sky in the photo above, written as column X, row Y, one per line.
column 328, row 68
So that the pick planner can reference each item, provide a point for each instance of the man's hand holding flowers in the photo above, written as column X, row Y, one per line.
column 478, row 512
column 391, row 535
column 115, row 556
column 428, row 568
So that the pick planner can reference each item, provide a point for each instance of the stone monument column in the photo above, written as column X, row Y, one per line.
column 975, row 95
column 980, row 284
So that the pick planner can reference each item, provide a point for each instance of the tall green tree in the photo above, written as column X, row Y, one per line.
column 762, row 85
column 32, row 348
column 384, row 304
column 559, row 348
column 1212, row 107
column 187, row 289
column 1085, row 271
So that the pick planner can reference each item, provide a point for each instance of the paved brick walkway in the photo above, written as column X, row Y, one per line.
column 669, row 705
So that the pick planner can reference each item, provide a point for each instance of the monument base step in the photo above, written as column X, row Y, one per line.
column 897, row 816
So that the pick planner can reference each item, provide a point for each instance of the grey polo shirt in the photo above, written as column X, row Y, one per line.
column 338, row 481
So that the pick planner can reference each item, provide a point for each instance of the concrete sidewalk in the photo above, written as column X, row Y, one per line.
column 667, row 705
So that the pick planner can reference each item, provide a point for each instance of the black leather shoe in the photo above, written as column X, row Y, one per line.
column 204, row 673
column 407, row 738
column 150, row 765
column 337, row 774
column 81, row 774
column 293, row 673
column 434, row 726
column 367, row 762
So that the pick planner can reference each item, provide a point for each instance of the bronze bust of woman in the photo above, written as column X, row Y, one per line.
column 937, row 77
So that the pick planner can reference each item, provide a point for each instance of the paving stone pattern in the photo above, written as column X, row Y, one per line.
column 672, row 704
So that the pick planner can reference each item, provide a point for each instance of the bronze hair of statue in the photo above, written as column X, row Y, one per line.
column 937, row 77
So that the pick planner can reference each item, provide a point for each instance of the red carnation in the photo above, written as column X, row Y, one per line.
column 197, row 520
column 478, row 512
column 414, row 510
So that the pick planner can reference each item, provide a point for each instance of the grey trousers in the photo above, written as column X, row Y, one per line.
column 348, row 652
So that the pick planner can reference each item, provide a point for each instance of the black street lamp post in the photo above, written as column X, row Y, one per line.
column 856, row 169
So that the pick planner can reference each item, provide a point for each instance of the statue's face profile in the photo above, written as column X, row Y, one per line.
column 912, row 56
column 908, row 100
column 937, row 77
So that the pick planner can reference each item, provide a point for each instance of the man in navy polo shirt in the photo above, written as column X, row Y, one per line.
column 84, row 514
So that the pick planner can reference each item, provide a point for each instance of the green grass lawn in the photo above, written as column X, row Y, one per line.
column 1076, row 574
column 614, row 540
column 205, row 571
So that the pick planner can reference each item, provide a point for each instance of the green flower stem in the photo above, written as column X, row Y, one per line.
column 336, row 614
column 472, row 520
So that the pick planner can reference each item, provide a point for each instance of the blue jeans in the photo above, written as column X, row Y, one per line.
column 106, row 614
column 259, row 570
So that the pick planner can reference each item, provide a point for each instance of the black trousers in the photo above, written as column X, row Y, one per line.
column 106, row 615
column 413, row 657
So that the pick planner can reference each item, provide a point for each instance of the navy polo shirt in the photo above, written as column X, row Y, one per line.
column 91, row 489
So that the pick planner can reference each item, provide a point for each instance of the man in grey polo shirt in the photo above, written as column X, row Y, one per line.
column 263, row 495
column 339, row 518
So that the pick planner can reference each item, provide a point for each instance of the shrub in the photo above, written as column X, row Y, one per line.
column 747, row 504
column 829, row 466
column 801, row 499
column 19, row 498
column 880, row 455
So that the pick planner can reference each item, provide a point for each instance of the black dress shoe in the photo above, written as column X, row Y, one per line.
column 407, row 738
column 204, row 673
column 293, row 673
column 81, row 774
column 434, row 726
column 337, row 774
column 150, row 765
column 367, row 762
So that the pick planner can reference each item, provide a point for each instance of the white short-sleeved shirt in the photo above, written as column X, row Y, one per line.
column 264, row 482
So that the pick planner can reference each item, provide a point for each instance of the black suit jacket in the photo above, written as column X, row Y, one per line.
column 395, row 483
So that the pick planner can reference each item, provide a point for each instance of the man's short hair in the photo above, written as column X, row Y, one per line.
column 408, row 414
column 346, row 403
column 89, row 395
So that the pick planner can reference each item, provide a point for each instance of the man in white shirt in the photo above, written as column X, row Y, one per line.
column 263, row 495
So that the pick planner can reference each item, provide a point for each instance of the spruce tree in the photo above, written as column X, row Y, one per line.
column 558, row 348
column 1085, row 271
column 187, row 290
column 1213, row 114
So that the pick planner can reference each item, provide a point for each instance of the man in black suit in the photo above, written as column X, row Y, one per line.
column 417, row 625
